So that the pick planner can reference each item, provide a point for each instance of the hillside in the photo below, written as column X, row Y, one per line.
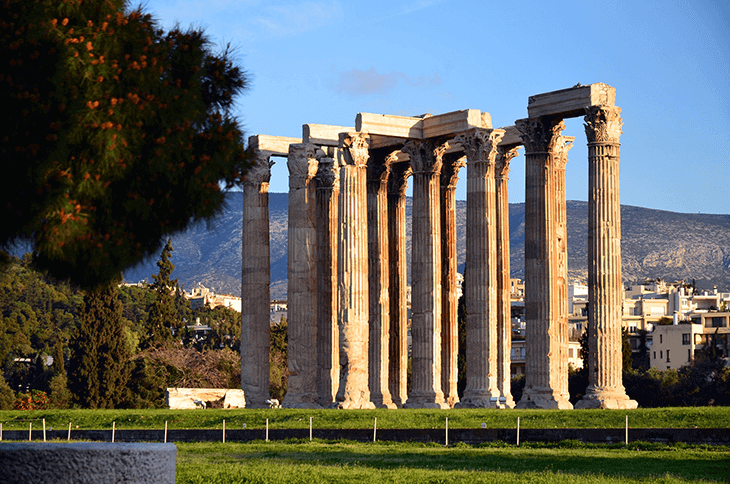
column 655, row 243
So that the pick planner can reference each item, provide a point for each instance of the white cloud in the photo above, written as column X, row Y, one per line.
column 359, row 83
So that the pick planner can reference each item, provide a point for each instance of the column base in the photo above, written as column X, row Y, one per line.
column 426, row 401
column 302, row 400
column 509, row 402
column 479, row 399
column 605, row 398
column 382, row 401
column 543, row 400
column 452, row 401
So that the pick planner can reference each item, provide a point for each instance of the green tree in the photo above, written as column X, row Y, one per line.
column 115, row 134
column 7, row 395
column 626, row 352
column 99, row 368
column 163, row 316
column 278, row 361
column 461, row 357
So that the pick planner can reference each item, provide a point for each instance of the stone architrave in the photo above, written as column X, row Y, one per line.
column 302, row 275
column 426, row 161
column 255, row 279
column 378, row 171
column 328, row 351
column 504, row 307
column 605, row 288
column 452, row 163
column 546, row 378
column 398, row 364
column 480, row 278
column 352, row 272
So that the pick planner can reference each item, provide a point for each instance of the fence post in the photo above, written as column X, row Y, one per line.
column 518, row 431
column 627, row 431
column 114, row 430
column 30, row 431
column 310, row 429
column 69, row 432
column 224, row 431
column 267, row 430
column 447, row 432
column 375, row 429
column 44, row 430
column 165, row 431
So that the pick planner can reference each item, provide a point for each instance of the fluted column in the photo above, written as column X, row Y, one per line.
column 545, row 379
column 352, row 272
column 379, row 277
column 328, row 351
column 398, row 366
column 449, row 285
column 302, row 275
column 480, row 278
column 561, row 240
column 426, row 161
column 504, row 307
column 605, row 288
column 255, row 279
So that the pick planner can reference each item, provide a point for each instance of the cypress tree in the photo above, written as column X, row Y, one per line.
column 99, row 368
column 163, row 316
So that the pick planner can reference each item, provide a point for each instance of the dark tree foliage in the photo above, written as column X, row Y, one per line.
column 99, row 368
column 225, row 329
column 461, row 357
column 114, row 134
column 626, row 353
column 278, row 361
column 163, row 316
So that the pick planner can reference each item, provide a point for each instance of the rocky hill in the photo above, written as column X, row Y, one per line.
column 654, row 244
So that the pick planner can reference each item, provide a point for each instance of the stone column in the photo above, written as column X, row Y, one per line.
column 544, row 376
column 255, row 279
column 480, row 278
column 352, row 273
column 398, row 367
column 449, row 285
column 302, row 275
column 328, row 351
column 426, row 160
column 378, row 276
column 605, row 288
column 504, row 306
column 562, row 147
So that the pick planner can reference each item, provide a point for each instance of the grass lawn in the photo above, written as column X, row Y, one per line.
column 319, row 461
column 683, row 417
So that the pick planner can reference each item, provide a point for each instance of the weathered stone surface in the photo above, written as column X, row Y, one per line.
column 352, row 273
column 422, row 127
column 426, row 161
column 569, row 103
column 605, row 289
column 87, row 462
column 323, row 134
column 546, row 328
column 511, row 138
column 480, row 289
column 255, row 280
column 302, row 274
column 186, row 398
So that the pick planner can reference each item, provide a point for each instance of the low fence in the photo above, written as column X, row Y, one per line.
column 712, row 436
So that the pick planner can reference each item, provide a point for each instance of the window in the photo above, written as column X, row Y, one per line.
column 685, row 338
column 689, row 355
column 661, row 336
column 661, row 354
column 570, row 352
column 668, row 360
column 655, row 355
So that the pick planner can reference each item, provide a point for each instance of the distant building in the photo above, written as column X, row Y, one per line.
column 202, row 296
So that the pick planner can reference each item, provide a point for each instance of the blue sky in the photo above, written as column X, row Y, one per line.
column 323, row 61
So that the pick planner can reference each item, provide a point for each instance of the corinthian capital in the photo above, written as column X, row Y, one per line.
column 398, row 179
column 302, row 163
column 504, row 156
column 355, row 148
column 564, row 144
column 540, row 135
column 603, row 124
column 379, row 167
column 328, row 174
column 260, row 171
column 426, row 155
column 480, row 145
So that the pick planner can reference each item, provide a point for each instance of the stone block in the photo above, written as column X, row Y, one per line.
column 186, row 398
column 420, row 127
column 274, row 145
column 87, row 462
column 323, row 134
column 511, row 138
column 570, row 103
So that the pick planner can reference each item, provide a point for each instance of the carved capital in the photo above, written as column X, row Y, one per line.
column 539, row 135
column 480, row 145
column 450, row 171
column 603, row 124
column 504, row 156
column 379, row 168
column 426, row 156
column 260, row 171
column 302, row 163
column 355, row 148
column 328, row 174
column 398, row 179
column 564, row 144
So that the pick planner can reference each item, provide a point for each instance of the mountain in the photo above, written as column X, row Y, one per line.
column 654, row 244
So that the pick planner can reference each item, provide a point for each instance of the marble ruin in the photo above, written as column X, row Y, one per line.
column 347, row 341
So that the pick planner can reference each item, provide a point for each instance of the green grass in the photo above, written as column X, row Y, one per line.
column 318, row 461
column 684, row 417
